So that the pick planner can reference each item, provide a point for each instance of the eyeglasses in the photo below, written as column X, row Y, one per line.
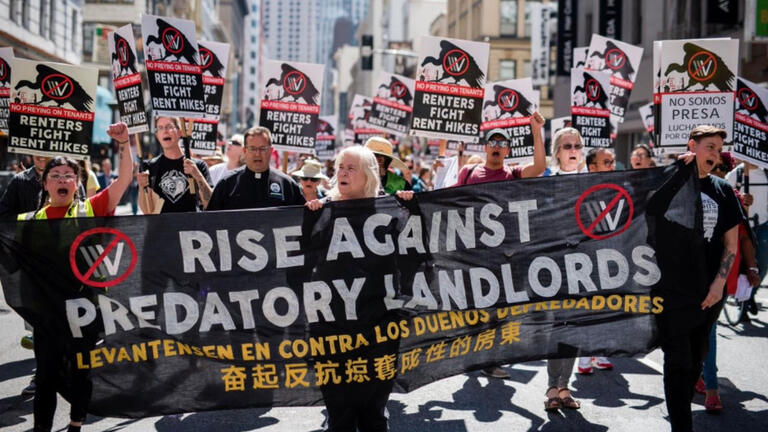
column 498, row 143
column 313, row 180
column 569, row 146
column 168, row 128
column 609, row 162
column 721, row 167
column 65, row 177
column 257, row 149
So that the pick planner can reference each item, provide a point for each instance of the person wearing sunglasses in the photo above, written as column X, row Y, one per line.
column 497, row 146
column 601, row 160
column 567, row 156
column 310, row 175
column 255, row 185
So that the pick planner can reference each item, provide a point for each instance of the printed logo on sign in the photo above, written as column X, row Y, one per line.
column 455, row 62
column 615, row 59
column 508, row 100
column 702, row 66
column 98, row 257
column 604, row 211
column 593, row 89
column 294, row 82
column 398, row 90
column 122, row 52
column 57, row 86
column 747, row 99
column 4, row 71
column 172, row 40
column 205, row 57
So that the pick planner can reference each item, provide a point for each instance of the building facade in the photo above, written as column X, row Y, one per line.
column 48, row 30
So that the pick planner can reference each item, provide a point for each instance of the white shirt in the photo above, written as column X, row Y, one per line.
column 758, row 188
column 218, row 172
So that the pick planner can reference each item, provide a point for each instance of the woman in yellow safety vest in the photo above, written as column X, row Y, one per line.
column 60, row 181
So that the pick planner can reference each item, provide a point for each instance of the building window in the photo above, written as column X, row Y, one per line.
column 507, row 70
column 528, row 8
column 253, row 54
column 43, row 23
column 253, row 101
column 74, row 31
column 253, row 70
column 508, row 16
column 526, row 68
column 252, row 86
column 52, row 20
column 88, row 29
column 25, row 13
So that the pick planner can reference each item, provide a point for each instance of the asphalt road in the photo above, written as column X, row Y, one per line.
column 630, row 398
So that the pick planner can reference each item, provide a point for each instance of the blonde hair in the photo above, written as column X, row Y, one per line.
column 554, row 161
column 366, row 160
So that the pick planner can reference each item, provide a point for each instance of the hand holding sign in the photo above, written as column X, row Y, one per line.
column 119, row 133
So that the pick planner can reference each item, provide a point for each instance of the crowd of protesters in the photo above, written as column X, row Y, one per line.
column 245, row 174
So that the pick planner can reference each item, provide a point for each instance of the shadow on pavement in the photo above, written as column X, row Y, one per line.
column 734, row 415
column 609, row 388
column 231, row 421
column 570, row 420
column 13, row 408
column 18, row 368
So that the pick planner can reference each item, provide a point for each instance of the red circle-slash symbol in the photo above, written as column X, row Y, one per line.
column 122, row 52
column 3, row 70
column 397, row 90
column 206, row 57
column 294, row 82
column 172, row 40
column 615, row 58
column 593, row 89
column 605, row 210
column 100, row 234
column 508, row 100
column 57, row 86
column 702, row 66
column 747, row 98
column 455, row 62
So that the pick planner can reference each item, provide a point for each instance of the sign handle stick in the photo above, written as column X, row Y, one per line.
column 187, row 126
column 137, row 141
column 285, row 161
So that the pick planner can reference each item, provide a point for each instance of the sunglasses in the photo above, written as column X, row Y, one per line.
column 498, row 143
column 569, row 146
column 313, row 180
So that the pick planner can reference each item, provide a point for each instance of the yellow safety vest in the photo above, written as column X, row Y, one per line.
column 77, row 209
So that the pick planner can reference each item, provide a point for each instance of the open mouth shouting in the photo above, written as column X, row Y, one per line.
column 62, row 192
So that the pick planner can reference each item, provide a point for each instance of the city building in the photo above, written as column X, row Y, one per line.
column 49, row 30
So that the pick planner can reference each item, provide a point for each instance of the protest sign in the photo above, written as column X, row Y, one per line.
column 51, row 110
column 204, row 133
column 541, row 15
column 206, row 311
column 646, row 115
column 359, row 113
column 622, row 61
column 453, row 148
column 325, row 143
column 173, row 67
column 214, row 57
column 449, row 89
column 6, row 57
column 580, row 56
column 750, row 123
column 509, row 105
column 656, row 90
column 558, row 123
column 393, row 104
column 567, row 35
column 591, row 107
column 698, row 80
column 290, row 104
column 127, row 79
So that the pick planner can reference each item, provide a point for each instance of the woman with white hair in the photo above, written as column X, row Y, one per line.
column 353, row 406
column 567, row 155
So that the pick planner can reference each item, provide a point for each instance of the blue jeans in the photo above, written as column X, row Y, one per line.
column 761, row 232
column 709, row 372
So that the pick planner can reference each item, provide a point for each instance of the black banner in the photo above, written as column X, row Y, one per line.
column 213, row 311
column 567, row 25
column 610, row 19
column 723, row 12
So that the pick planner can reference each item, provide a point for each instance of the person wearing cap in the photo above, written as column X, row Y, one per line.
column 255, row 185
column 497, row 146
column 234, row 161
column 310, row 175
column 391, row 182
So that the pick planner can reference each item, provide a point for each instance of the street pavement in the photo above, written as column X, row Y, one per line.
column 629, row 398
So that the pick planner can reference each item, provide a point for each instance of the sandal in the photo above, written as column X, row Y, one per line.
column 569, row 402
column 553, row 403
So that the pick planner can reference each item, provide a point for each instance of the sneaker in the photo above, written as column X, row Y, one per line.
column 30, row 389
column 752, row 307
column 700, row 387
column 604, row 364
column 28, row 342
column 585, row 370
column 495, row 372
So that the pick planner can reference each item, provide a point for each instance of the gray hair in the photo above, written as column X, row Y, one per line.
column 554, row 162
column 366, row 160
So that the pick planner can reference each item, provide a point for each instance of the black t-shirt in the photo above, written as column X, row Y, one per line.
column 167, row 179
column 21, row 195
column 721, row 212
column 242, row 189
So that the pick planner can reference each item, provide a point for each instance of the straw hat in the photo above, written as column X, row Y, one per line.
column 381, row 146
column 312, row 168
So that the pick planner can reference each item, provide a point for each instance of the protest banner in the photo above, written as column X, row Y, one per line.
column 567, row 35
column 622, row 61
column 610, row 18
column 6, row 58
column 325, row 142
column 290, row 104
column 449, row 89
column 541, row 15
column 646, row 115
column 453, row 148
column 127, row 79
column 750, row 123
column 206, row 311
column 393, row 104
column 204, row 133
column 359, row 113
column 591, row 107
column 173, row 67
column 51, row 110
column 509, row 105
column 580, row 56
column 697, row 85
column 214, row 57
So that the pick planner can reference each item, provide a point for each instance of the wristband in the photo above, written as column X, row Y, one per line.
column 124, row 142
